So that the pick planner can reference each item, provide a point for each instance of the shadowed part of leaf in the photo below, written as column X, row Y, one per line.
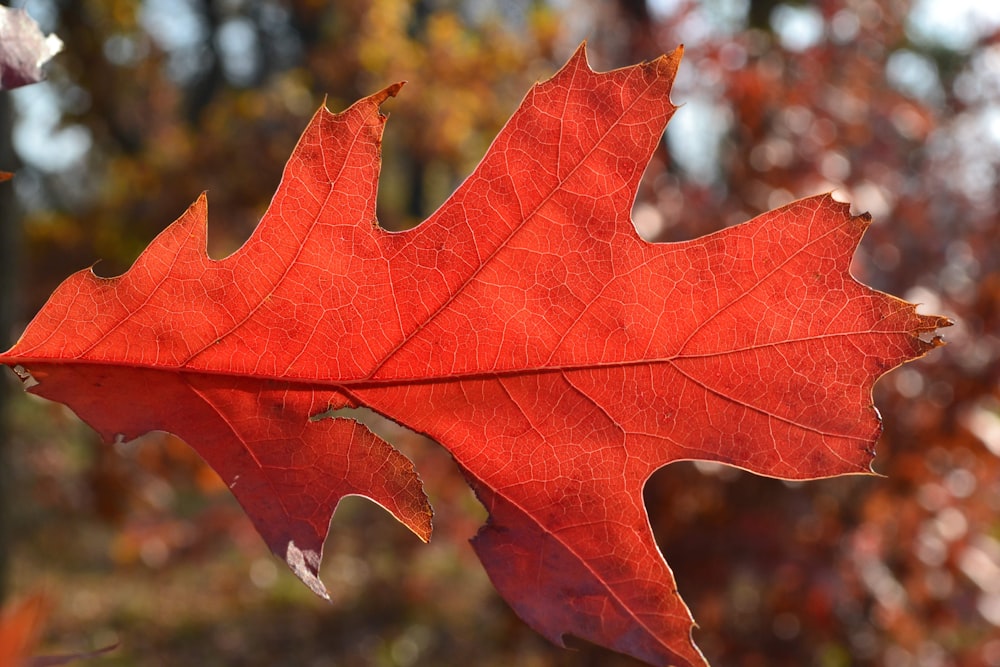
column 305, row 565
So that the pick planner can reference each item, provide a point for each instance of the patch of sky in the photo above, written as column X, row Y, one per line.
column 39, row 137
column 798, row 28
column 953, row 24
column 915, row 75
column 180, row 30
column 237, row 43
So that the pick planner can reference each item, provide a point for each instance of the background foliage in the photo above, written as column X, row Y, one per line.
column 892, row 104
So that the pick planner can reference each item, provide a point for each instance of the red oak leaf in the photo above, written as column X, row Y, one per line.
column 524, row 325
column 21, row 625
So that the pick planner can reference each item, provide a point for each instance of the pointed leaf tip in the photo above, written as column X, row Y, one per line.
column 384, row 94
column 305, row 565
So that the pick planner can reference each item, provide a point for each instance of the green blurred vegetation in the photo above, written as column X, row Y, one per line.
column 153, row 102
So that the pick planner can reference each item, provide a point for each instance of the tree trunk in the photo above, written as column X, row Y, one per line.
column 10, row 243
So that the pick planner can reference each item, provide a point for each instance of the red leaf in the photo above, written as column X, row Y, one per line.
column 23, row 49
column 524, row 325
column 21, row 625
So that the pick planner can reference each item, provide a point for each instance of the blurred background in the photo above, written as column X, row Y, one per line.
column 894, row 105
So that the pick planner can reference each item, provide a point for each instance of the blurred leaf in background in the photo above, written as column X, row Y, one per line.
column 24, row 49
